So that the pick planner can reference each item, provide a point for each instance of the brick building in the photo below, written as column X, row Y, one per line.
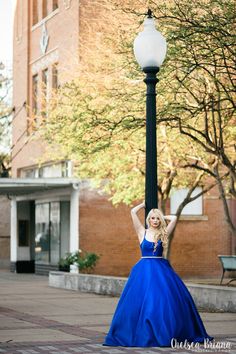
column 53, row 213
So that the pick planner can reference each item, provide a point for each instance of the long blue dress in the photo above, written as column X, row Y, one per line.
column 155, row 306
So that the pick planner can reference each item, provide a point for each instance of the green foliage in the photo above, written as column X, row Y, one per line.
column 4, row 165
column 99, row 119
column 86, row 261
column 5, row 115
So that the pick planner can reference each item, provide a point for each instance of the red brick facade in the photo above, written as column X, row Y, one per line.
column 108, row 231
column 103, row 229
column 29, row 60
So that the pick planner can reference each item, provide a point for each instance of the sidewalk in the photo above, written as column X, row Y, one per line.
column 212, row 281
column 36, row 319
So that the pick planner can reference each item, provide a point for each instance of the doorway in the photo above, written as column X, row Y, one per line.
column 52, row 230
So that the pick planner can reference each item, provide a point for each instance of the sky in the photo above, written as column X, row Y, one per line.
column 6, row 31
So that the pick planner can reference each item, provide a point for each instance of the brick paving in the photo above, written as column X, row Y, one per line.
column 60, row 347
column 36, row 319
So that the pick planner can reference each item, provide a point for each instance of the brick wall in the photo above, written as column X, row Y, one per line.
column 62, row 28
column 197, row 244
column 108, row 231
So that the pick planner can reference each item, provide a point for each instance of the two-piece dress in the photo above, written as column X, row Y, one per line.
column 155, row 306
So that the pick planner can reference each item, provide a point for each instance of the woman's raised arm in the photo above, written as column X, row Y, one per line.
column 138, row 226
column 172, row 223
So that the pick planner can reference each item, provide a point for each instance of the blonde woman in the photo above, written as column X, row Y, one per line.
column 155, row 308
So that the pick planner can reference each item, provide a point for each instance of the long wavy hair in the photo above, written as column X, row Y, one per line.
column 161, row 232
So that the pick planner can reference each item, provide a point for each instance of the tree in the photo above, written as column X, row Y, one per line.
column 202, row 101
column 5, row 121
column 99, row 119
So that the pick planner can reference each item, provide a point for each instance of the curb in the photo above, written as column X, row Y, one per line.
column 206, row 297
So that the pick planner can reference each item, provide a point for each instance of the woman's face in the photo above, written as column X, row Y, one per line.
column 154, row 220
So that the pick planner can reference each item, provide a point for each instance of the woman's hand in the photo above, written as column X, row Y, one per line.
column 138, row 207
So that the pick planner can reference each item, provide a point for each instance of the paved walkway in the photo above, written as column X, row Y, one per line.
column 36, row 319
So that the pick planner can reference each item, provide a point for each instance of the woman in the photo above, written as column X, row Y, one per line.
column 155, row 308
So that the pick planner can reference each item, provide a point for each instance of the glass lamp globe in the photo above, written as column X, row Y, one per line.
column 150, row 46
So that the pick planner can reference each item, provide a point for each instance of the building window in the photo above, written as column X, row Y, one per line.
column 52, row 231
column 42, row 238
column 35, row 12
column 35, row 95
column 66, row 169
column 44, row 8
column 54, row 5
column 55, row 76
column 23, row 233
column 193, row 208
column 50, row 171
column 45, row 78
column 61, row 169
column 45, row 92
column 29, row 173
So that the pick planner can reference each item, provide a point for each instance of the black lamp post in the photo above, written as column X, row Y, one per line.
column 150, row 51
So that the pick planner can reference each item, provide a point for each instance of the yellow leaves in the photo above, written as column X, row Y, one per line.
column 99, row 120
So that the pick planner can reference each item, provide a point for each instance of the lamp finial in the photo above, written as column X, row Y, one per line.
column 149, row 13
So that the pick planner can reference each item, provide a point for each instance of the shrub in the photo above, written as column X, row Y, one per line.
column 86, row 261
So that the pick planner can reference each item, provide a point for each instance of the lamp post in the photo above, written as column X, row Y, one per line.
column 150, row 51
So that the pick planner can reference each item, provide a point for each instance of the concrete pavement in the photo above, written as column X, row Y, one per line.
column 35, row 319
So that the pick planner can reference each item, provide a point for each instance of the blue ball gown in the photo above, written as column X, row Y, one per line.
column 155, row 306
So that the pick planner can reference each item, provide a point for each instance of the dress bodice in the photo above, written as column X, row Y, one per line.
column 147, row 248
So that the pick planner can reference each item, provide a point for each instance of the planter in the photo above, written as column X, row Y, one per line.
column 74, row 268
column 64, row 268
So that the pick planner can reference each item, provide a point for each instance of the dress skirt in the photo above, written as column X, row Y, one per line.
column 154, row 309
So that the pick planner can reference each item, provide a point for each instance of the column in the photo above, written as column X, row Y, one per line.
column 74, row 219
column 13, row 247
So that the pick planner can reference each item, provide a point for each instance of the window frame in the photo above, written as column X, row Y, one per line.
column 188, row 210
column 43, row 10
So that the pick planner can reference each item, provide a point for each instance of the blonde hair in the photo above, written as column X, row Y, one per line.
column 161, row 231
